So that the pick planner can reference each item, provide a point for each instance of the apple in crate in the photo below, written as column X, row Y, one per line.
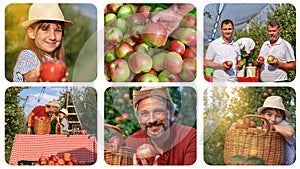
column 145, row 151
column 53, row 71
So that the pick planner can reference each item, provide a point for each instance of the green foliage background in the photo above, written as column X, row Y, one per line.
column 75, row 38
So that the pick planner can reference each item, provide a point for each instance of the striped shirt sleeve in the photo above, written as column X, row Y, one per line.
column 27, row 61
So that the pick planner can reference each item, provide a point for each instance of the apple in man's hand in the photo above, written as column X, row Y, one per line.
column 147, row 152
column 229, row 63
column 240, row 63
column 270, row 58
column 260, row 59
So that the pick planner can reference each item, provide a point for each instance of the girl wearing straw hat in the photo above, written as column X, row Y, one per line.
column 44, row 41
column 274, row 110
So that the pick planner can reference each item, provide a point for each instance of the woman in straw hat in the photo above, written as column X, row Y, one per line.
column 274, row 110
column 174, row 144
column 44, row 41
column 41, row 112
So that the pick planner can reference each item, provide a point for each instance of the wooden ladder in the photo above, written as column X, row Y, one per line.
column 73, row 117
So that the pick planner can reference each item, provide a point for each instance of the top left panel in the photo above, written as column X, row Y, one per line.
column 50, row 42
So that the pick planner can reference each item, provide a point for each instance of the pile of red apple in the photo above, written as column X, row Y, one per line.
column 241, row 124
column 139, row 50
column 66, row 159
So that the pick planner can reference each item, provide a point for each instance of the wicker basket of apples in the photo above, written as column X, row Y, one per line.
column 114, row 152
column 138, row 49
column 42, row 125
column 248, row 144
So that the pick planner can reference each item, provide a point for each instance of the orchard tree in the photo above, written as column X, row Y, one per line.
column 14, row 118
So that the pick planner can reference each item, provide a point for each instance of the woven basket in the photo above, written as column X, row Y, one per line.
column 42, row 127
column 254, row 142
column 116, row 154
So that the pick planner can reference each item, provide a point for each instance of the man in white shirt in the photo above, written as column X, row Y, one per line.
column 221, row 50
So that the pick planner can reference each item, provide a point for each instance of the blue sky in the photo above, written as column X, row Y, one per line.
column 34, row 93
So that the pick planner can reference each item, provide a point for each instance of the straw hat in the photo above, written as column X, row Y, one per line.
column 65, row 111
column 274, row 102
column 44, row 11
column 146, row 92
column 53, row 103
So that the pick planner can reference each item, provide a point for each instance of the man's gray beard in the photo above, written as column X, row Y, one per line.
column 160, row 134
column 272, row 39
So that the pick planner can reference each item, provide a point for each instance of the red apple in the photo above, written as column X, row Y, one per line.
column 43, row 160
column 119, row 70
column 75, row 162
column 188, row 36
column 154, row 34
column 53, row 71
column 69, row 163
column 114, row 8
column 135, row 33
column 173, row 62
column 189, row 21
column 240, row 63
column 83, row 132
column 229, row 63
column 241, row 125
column 109, row 18
column 113, row 35
column 54, row 158
column 125, row 12
column 271, row 58
column 114, row 140
column 147, row 152
column 177, row 46
column 67, row 156
column 51, row 162
column 145, row 10
column 123, row 50
column 138, row 77
column 252, row 124
column 139, row 62
column 190, row 52
column 61, row 161
column 136, row 19
column 188, row 72
column 261, row 59
column 165, row 76
column 148, row 77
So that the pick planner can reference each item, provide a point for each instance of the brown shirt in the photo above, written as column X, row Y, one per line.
column 180, row 148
